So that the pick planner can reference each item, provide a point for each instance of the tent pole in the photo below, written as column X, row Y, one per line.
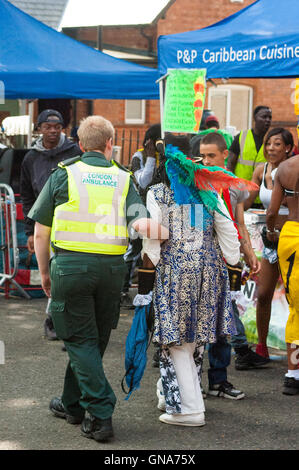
column 161, row 93
column 30, row 110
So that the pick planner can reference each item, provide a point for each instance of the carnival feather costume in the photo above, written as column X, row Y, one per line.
column 194, row 183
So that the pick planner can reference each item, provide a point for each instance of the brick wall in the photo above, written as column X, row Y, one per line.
column 128, row 136
column 276, row 93
column 189, row 15
column 127, row 36
column 130, row 36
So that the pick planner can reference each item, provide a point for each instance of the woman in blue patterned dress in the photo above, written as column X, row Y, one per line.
column 191, row 295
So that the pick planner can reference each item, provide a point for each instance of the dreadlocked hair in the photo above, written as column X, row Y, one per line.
column 182, row 143
column 160, row 174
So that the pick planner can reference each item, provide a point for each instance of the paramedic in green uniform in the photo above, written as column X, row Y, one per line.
column 86, row 208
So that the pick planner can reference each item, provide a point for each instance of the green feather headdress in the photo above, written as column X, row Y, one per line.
column 195, row 183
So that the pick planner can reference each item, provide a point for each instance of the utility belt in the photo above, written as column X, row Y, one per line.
column 61, row 251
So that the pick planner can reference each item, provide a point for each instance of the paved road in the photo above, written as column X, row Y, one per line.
column 33, row 373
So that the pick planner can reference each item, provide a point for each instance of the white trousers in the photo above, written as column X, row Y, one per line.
column 187, row 377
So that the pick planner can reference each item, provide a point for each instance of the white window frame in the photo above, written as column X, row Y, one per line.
column 135, row 120
column 226, row 90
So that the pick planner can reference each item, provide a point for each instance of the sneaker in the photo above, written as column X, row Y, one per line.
column 250, row 360
column 49, row 329
column 290, row 386
column 160, row 395
column 225, row 390
column 58, row 410
column 197, row 419
column 262, row 350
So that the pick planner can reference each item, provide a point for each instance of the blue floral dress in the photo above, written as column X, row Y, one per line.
column 191, row 295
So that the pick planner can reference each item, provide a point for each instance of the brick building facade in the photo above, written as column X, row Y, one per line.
column 232, row 100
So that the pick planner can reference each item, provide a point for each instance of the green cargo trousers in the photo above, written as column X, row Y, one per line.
column 85, row 293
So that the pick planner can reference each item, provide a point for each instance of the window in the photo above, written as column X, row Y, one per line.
column 135, row 112
column 232, row 104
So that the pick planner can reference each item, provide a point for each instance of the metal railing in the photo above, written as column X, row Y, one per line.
column 9, row 257
column 129, row 140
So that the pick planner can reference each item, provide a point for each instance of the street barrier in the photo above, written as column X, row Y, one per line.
column 9, row 257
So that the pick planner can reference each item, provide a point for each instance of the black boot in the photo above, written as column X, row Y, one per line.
column 58, row 410
column 95, row 428
column 290, row 386
column 248, row 359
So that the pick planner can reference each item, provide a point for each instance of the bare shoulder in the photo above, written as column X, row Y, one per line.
column 287, row 172
column 258, row 172
column 289, row 165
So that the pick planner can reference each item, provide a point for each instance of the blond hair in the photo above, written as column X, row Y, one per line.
column 94, row 132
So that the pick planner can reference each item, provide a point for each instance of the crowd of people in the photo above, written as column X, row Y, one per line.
column 186, row 199
column 254, row 155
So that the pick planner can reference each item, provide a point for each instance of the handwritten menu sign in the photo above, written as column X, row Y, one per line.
column 184, row 100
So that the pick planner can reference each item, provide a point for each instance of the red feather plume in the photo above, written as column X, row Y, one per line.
column 219, row 180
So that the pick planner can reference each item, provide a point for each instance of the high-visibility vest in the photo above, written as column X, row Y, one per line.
column 249, row 157
column 93, row 220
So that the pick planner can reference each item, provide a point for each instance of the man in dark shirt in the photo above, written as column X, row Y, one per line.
column 50, row 148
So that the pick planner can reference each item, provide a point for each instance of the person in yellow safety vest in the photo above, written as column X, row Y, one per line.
column 247, row 149
column 87, row 208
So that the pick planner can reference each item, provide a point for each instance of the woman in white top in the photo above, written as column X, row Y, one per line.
column 278, row 147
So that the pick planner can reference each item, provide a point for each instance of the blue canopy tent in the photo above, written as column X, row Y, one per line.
column 261, row 40
column 38, row 62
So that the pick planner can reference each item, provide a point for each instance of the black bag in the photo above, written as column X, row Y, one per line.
column 146, row 279
column 235, row 276
column 267, row 243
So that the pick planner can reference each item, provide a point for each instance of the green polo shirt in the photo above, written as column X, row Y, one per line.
column 55, row 193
